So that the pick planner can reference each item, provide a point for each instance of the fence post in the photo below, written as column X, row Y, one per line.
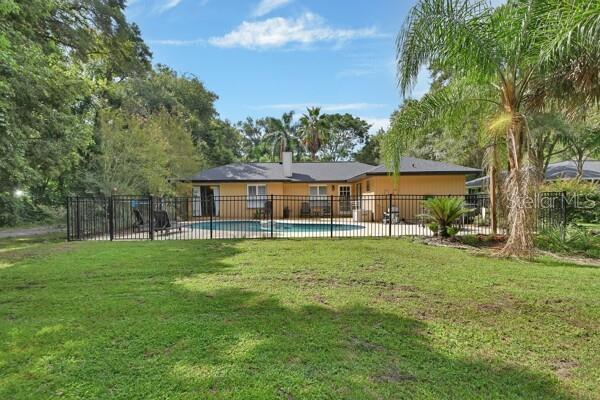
column 272, row 212
column 331, row 216
column 77, row 218
column 210, row 213
column 111, row 214
column 390, row 214
column 68, row 219
column 151, row 216
column 563, row 202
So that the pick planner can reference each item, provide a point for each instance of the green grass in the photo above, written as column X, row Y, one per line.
column 372, row 318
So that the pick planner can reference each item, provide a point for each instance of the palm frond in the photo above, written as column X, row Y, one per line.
column 453, row 34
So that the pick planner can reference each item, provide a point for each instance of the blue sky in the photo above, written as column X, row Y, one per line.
column 264, row 57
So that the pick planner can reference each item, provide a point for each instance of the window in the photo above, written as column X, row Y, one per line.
column 368, row 186
column 318, row 195
column 257, row 195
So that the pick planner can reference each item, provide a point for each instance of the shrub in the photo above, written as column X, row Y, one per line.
column 444, row 211
column 576, row 240
column 480, row 220
column 583, row 199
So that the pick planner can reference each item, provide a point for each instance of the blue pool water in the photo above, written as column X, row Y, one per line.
column 257, row 226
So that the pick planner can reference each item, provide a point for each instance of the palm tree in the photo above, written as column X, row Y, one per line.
column 311, row 130
column 281, row 133
column 499, row 58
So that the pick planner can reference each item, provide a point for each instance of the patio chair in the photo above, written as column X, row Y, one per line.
column 305, row 209
column 391, row 216
column 138, row 222
column 162, row 222
column 326, row 211
column 267, row 209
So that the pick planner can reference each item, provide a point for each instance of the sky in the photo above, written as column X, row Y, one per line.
column 266, row 57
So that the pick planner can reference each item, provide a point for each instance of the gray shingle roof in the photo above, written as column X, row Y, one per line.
column 301, row 172
column 319, row 171
column 557, row 170
column 411, row 165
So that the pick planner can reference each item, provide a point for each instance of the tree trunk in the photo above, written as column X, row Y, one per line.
column 521, row 205
column 493, row 202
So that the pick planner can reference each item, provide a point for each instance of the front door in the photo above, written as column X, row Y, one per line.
column 345, row 203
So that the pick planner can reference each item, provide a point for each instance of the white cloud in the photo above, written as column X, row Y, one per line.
column 325, row 107
column 178, row 42
column 377, row 123
column 266, row 6
column 167, row 5
column 278, row 32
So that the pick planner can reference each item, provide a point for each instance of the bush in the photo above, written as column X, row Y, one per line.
column 583, row 199
column 443, row 212
column 577, row 240
column 18, row 211
column 480, row 220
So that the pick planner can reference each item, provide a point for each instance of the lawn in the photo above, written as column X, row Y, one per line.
column 292, row 319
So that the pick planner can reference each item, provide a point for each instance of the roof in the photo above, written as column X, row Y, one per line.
column 320, row 171
column 558, row 170
column 412, row 165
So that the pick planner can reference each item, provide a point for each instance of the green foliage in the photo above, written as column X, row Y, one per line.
column 370, row 153
column 583, row 199
column 443, row 212
column 575, row 240
column 343, row 133
column 312, row 125
column 144, row 156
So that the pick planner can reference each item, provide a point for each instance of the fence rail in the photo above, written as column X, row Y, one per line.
column 273, row 216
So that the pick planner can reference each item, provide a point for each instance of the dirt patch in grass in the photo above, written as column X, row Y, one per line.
column 564, row 368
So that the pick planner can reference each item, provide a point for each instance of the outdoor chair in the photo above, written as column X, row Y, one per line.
column 138, row 222
column 391, row 216
column 326, row 211
column 267, row 209
column 162, row 222
column 305, row 209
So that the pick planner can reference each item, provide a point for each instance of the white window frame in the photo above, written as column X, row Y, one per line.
column 319, row 199
column 257, row 200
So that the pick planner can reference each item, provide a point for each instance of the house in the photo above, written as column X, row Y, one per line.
column 555, row 171
column 351, row 183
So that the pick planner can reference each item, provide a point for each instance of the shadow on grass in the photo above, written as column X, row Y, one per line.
column 128, row 330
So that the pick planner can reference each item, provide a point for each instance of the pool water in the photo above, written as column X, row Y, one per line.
column 265, row 226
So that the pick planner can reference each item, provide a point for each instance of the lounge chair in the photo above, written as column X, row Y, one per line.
column 391, row 216
column 138, row 222
column 305, row 209
column 162, row 222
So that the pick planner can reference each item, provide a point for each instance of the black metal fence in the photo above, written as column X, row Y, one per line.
column 273, row 216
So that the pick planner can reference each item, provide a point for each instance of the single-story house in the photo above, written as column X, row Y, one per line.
column 555, row 171
column 352, row 184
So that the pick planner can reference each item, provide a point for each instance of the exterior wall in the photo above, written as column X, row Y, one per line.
column 419, row 185
column 372, row 189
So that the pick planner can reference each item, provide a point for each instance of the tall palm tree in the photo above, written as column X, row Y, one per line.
column 498, row 57
column 281, row 134
column 312, row 125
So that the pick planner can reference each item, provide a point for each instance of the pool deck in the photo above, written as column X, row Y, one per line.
column 368, row 229
column 189, row 230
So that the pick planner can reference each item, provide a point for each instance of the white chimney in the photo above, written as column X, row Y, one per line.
column 286, row 161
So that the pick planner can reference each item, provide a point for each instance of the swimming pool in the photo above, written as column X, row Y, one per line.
column 265, row 226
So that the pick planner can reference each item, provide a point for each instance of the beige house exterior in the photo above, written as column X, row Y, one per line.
column 241, row 189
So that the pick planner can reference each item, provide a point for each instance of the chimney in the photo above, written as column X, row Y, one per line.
column 286, row 161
